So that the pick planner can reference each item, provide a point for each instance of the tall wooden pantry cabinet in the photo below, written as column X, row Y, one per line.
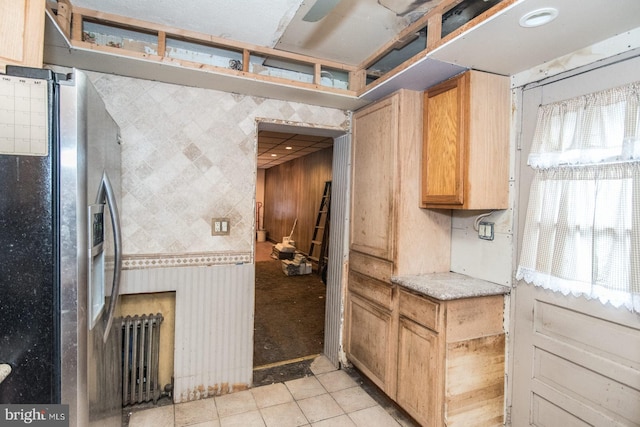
column 390, row 234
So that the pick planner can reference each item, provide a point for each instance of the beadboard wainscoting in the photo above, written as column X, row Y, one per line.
column 214, row 325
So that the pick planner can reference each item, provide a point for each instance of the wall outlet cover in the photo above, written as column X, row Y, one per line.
column 220, row 226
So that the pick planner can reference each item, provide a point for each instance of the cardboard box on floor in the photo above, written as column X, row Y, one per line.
column 297, row 266
column 283, row 251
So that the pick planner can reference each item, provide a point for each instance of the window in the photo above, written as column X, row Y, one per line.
column 582, row 232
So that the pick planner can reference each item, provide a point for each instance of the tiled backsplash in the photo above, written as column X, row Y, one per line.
column 189, row 155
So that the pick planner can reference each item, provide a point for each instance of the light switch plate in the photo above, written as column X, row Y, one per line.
column 220, row 226
column 485, row 230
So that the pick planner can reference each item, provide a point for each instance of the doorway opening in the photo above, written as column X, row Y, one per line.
column 294, row 165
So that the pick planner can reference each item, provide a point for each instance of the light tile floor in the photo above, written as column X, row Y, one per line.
column 329, row 398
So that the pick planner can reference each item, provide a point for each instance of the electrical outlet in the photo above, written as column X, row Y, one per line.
column 220, row 226
column 485, row 230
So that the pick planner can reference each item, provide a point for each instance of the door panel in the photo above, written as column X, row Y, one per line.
column 373, row 164
column 545, row 413
column 587, row 374
column 575, row 362
column 443, row 156
column 27, row 280
column 28, row 240
column 368, row 341
column 419, row 372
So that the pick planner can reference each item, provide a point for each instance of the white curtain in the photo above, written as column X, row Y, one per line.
column 582, row 232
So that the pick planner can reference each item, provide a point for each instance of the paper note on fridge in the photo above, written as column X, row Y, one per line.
column 24, row 125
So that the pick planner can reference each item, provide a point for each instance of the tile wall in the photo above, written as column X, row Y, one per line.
column 189, row 155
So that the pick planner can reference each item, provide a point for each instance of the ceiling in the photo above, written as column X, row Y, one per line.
column 275, row 148
column 275, row 138
column 349, row 33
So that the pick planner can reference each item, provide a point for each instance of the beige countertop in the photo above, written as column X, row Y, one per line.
column 449, row 286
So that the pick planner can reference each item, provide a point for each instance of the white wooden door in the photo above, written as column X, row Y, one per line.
column 575, row 362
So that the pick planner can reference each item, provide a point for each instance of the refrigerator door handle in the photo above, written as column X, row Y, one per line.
column 107, row 194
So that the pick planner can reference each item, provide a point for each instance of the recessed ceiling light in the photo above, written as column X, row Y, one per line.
column 274, row 155
column 288, row 148
column 538, row 17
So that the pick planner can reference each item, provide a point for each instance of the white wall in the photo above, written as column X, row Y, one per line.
column 490, row 260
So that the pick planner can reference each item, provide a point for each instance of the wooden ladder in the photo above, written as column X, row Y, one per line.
column 320, row 239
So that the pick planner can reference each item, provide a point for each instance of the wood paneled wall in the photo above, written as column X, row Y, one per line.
column 294, row 190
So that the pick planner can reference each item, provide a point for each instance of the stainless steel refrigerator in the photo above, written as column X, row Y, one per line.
column 59, row 246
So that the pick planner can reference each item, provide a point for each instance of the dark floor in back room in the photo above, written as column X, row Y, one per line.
column 289, row 314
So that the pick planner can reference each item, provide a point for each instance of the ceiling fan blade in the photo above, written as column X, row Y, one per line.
column 319, row 10
column 401, row 7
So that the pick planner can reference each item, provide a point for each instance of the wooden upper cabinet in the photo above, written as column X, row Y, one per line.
column 465, row 154
column 443, row 154
column 22, row 33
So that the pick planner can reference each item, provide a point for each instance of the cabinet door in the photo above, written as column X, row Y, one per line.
column 443, row 156
column 373, row 178
column 22, row 32
column 369, row 342
column 419, row 388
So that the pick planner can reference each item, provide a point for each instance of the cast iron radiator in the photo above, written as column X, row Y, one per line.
column 140, row 355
